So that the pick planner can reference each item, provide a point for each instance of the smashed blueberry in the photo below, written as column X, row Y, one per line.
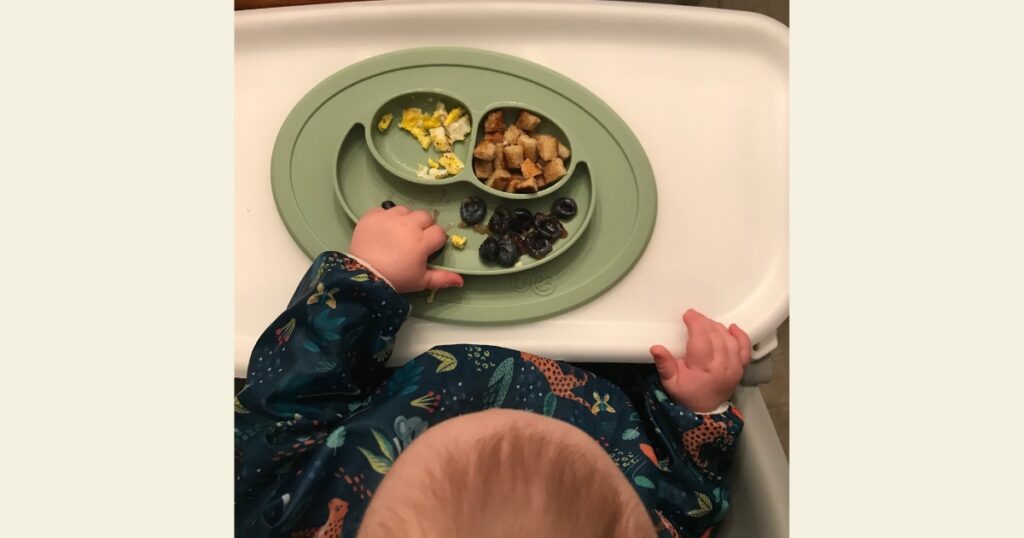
column 500, row 221
column 387, row 204
column 548, row 226
column 538, row 246
column 522, row 220
column 508, row 252
column 564, row 208
column 489, row 250
column 473, row 210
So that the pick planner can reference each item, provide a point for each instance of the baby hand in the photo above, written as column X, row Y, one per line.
column 707, row 375
column 396, row 243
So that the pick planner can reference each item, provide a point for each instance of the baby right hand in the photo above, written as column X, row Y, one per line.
column 396, row 243
column 707, row 375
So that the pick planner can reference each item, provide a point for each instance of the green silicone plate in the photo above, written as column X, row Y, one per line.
column 331, row 164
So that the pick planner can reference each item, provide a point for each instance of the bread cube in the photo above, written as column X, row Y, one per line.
column 513, row 156
column 527, row 121
column 553, row 170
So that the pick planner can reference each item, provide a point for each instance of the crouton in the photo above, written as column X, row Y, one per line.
column 547, row 147
column 512, row 135
column 553, row 170
column 527, row 185
column 527, row 121
column 495, row 122
column 484, row 150
column 563, row 152
column 529, row 146
column 541, row 182
column 531, row 169
column 513, row 183
column 483, row 169
column 498, row 139
column 513, row 156
column 499, row 180
column 499, row 159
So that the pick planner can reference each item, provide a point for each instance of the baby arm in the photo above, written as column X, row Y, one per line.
column 698, row 427
column 332, row 342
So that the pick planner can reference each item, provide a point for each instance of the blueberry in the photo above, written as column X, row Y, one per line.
column 473, row 210
column 508, row 252
column 548, row 226
column 387, row 204
column 538, row 246
column 489, row 250
column 564, row 208
column 500, row 221
column 521, row 220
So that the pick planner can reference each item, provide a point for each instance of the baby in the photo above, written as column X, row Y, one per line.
column 507, row 443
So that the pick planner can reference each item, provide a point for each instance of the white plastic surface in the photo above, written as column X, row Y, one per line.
column 704, row 90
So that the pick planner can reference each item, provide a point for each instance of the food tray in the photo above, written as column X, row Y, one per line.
column 313, row 155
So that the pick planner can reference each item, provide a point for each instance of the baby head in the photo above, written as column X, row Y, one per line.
column 505, row 473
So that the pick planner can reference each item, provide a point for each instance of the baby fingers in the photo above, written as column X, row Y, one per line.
column 743, row 341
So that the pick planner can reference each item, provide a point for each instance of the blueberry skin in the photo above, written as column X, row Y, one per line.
column 538, row 246
column 564, row 208
column 522, row 220
column 473, row 210
column 387, row 204
column 508, row 252
column 489, row 250
column 548, row 226
column 500, row 221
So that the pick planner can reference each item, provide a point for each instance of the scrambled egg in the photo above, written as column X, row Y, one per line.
column 458, row 241
column 440, row 129
column 451, row 163
column 385, row 121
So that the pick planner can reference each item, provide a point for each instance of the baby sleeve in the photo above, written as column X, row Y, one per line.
column 693, row 453
column 328, row 348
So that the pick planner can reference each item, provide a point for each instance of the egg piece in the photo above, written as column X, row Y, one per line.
column 421, row 172
column 437, row 173
column 385, row 121
column 440, row 139
column 458, row 241
column 451, row 163
column 455, row 114
column 458, row 129
column 432, row 163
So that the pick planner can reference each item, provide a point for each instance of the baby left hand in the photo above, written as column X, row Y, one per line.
column 396, row 243
column 706, row 376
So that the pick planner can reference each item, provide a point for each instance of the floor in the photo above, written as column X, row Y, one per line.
column 776, row 392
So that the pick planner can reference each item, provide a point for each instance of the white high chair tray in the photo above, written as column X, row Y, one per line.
column 704, row 90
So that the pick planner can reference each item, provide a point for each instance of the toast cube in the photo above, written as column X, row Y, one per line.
column 553, row 170
column 563, row 152
column 530, row 169
column 484, row 150
column 529, row 147
column 495, row 122
column 527, row 185
column 513, row 183
column 527, row 121
column 499, row 179
column 512, row 135
column 513, row 156
column 483, row 169
column 547, row 147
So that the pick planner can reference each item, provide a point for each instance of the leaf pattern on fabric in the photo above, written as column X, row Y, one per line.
column 550, row 401
column 643, row 482
column 705, row 506
column 239, row 408
column 384, row 444
column 362, row 277
column 660, row 395
column 405, row 380
column 337, row 438
column 497, row 388
column 648, row 451
column 377, row 463
column 630, row 434
column 448, row 361
column 723, row 505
